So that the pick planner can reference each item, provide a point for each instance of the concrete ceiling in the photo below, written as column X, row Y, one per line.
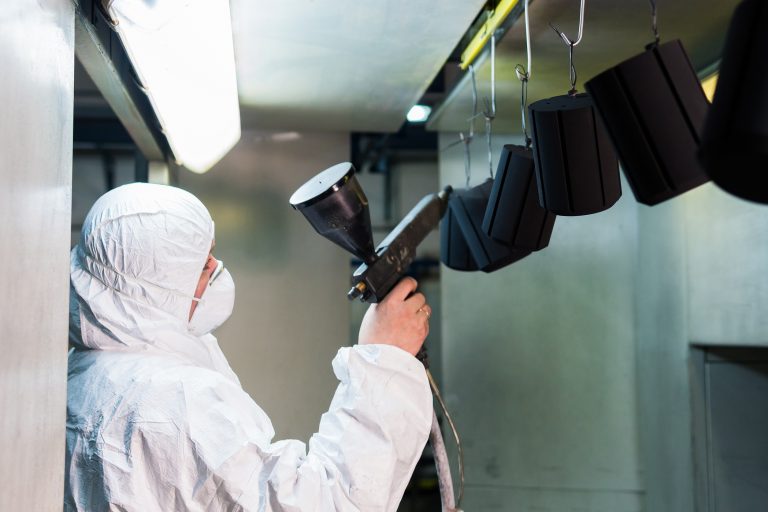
column 344, row 65
column 613, row 31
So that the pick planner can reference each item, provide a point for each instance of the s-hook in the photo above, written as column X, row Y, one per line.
column 524, row 74
column 571, row 44
column 654, row 26
column 490, row 106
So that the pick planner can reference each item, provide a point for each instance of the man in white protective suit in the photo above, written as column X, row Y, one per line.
column 158, row 421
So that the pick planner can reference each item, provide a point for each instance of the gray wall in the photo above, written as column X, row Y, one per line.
column 291, row 313
column 702, row 279
column 570, row 370
column 37, row 59
column 539, row 364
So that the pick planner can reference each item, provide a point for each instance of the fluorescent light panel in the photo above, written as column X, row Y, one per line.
column 183, row 54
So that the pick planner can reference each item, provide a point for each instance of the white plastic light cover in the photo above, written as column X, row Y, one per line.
column 418, row 114
column 183, row 54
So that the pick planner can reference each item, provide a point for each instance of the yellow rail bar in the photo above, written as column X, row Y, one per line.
column 477, row 43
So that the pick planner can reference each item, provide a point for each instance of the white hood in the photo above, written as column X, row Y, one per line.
column 134, row 273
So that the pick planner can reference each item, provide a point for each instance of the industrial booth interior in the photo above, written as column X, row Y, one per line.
column 621, row 368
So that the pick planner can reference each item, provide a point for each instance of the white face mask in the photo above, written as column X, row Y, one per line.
column 216, row 303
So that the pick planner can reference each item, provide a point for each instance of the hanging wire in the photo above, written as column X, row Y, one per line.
column 524, row 74
column 654, row 25
column 474, row 102
column 468, row 140
column 454, row 431
column 490, row 106
column 467, row 158
column 571, row 44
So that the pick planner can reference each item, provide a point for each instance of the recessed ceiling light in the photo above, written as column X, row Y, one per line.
column 418, row 113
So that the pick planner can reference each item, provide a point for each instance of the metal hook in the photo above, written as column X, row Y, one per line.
column 654, row 25
column 571, row 44
column 524, row 74
column 468, row 140
column 467, row 169
column 474, row 101
column 490, row 106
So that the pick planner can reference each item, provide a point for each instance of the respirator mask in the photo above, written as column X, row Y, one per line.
column 216, row 303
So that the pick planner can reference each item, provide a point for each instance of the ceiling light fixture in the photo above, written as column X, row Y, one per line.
column 418, row 114
column 183, row 56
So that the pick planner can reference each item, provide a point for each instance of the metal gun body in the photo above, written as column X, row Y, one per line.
column 373, row 280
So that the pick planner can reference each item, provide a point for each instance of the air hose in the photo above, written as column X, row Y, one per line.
column 445, row 481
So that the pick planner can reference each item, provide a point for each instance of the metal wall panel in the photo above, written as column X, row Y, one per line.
column 36, row 92
column 727, row 254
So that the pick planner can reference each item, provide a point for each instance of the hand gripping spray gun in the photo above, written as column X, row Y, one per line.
column 335, row 205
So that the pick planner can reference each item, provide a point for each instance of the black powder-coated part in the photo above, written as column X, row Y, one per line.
column 468, row 207
column 654, row 110
column 454, row 251
column 514, row 216
column 734, row 146
column 577, row 172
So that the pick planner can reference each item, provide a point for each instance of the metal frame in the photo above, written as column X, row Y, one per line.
column 99, row 50
column 697, row 365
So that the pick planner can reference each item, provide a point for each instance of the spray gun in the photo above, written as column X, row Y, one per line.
column 335, row 205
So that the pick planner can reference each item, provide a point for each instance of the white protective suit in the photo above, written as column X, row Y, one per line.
column 157, row 420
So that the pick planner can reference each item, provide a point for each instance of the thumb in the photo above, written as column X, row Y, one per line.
column 403, row 289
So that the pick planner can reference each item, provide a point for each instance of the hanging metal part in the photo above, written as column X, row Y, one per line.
column 524, row 75
column 571, row 43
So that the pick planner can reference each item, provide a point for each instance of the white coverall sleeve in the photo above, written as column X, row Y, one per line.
column 361, row 459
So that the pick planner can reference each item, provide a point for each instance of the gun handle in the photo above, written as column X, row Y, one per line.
column 421, row 355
